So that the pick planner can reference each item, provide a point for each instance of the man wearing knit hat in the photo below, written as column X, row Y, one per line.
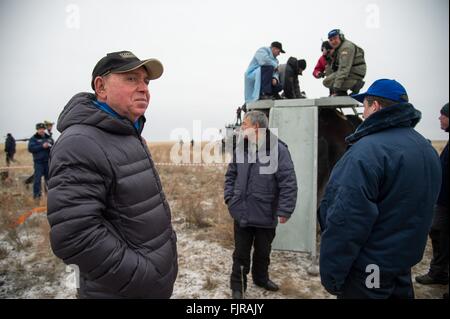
column 438, row 273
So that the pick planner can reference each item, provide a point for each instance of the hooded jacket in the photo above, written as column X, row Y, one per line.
column 106, row 207
column 378, row 204
column 289, row 73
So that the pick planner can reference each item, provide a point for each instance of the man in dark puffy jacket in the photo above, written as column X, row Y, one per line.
column 378, row 204
column 39, row 145
column 289, row 73
column 106, row 206
column 439, row 233
column 260, row 188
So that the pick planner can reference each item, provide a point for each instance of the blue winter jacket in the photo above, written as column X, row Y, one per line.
column 378, row 205
column 255, row 198
column 35, row 146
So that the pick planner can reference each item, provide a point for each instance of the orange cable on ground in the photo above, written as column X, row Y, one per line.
column 22, row 218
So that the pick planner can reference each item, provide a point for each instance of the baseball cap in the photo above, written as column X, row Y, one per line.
column 40, row 125
column 125, row 61
column 385, row 88
column 334, row 33
column 278, row 45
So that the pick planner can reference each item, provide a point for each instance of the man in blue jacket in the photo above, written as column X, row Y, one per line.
column 39, row 145
column 260, row 188
column 378, row 205
column 262, row 78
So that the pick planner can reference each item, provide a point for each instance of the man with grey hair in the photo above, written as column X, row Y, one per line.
column 106, row 207
column 260, row 190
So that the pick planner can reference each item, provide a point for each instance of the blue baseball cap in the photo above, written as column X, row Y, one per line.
column 385, row 88
column 334, row 33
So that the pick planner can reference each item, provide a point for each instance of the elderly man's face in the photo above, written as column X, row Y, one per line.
column 41, row 131
column 275, row 51
column 334, row 41
column 249, row 130
column 127, row 93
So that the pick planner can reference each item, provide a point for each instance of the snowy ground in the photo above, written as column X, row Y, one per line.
column 204, row 267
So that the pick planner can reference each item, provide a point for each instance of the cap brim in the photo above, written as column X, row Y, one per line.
column 359, row 97
column 282, row 51
column 154, row 68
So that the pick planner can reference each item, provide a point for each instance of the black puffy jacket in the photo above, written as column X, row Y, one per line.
column 106, row 207
column 289, row 73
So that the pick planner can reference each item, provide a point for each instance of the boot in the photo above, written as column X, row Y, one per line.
column 428, row 280
column 236, row 294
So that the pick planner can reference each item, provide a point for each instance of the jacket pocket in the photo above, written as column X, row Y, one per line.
column 236, row 207
column 261, row 210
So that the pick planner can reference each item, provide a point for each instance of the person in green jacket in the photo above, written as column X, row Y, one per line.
column 349, row 66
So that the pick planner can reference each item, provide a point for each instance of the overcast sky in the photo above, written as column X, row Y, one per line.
column 49, row 49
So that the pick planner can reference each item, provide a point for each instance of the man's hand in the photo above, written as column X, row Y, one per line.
column 274, row 82
column 45, row 145
column 282, row 219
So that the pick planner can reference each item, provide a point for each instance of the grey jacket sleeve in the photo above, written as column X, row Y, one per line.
column 287, row 184
column 80, row 176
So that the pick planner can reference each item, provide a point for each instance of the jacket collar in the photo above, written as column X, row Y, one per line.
column 37, row 136
column 399, row 115
column 82, row 110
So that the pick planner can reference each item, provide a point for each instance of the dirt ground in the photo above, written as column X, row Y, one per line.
column 28, row 268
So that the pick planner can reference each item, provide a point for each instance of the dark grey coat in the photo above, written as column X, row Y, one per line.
column 256, row 199
column 106, row 207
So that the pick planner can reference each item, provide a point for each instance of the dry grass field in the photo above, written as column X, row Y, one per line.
column 28, row 269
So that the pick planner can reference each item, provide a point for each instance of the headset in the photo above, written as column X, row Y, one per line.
column 335, row 32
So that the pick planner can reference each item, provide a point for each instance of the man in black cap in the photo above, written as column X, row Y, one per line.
column 106, row 207
column 262, row 78
column 439, row 233
column 39, row 145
